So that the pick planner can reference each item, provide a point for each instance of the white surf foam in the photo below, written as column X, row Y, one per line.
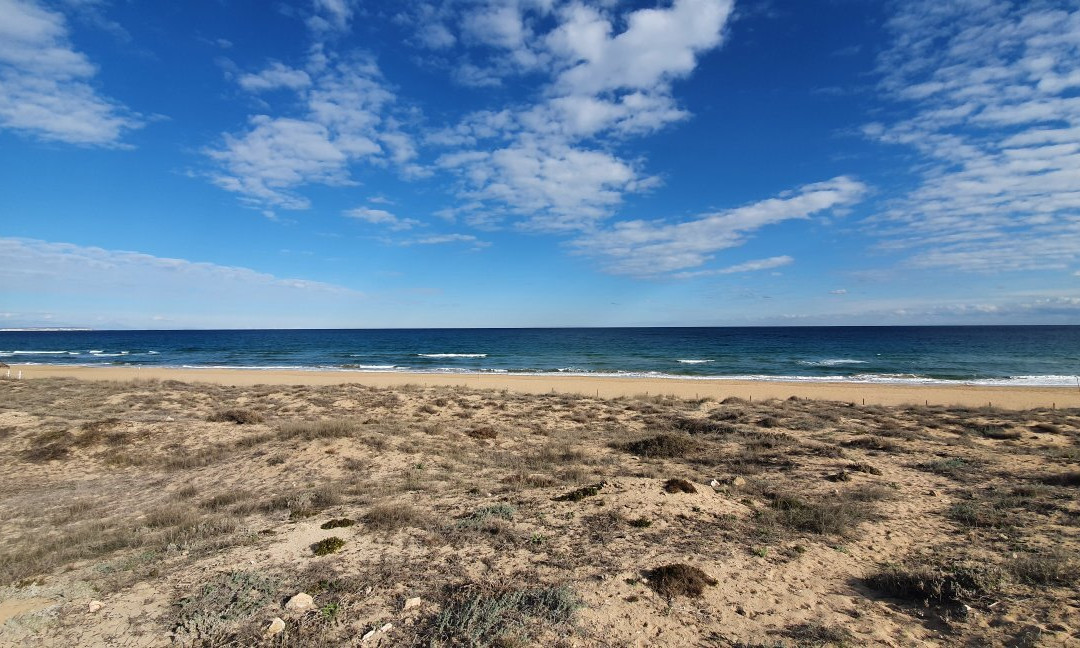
column 452, row 355
column 831, row 362
column 693, row 361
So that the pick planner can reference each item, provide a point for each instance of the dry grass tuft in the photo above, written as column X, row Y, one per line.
column 392, row 516
column 662, row 446
column 937, row 582
column 678, row 486
column 678, row 579
column 239, row 416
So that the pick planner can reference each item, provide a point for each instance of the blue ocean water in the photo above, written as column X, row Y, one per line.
column 1022, row 355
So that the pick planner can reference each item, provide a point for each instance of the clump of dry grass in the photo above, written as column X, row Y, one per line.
column 937, row 582
column 679, row 579
column 581, row 493
column 482, row 615
column 677, row 485
column 1054, row 568
column 337, row 523
column 482, row 432
column 819, row 634
column 237, row 415
column 836, row 515
column 392, row 516
column 662, row 446
column 321, row 429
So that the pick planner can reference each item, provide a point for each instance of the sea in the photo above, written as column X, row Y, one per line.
column 978, row 355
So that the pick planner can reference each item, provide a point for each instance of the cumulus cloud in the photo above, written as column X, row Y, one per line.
column 344, row 119
column 542, row 163
column 45, row 84
column 650, row 248
column 989, row 88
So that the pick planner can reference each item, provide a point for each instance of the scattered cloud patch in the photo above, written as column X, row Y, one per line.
column 381, row 217
column 343, row 120
column 608, row 76
column 41, row 267
column 45, row 84
column 988, row 93
column 749, row 266
column 445, row 239
column 838, row 291
column 651, row 248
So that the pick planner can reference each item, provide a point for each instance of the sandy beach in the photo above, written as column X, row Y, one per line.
column 189, row 508
column 607, row 387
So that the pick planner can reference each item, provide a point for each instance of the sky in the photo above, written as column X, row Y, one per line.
column 507, row 163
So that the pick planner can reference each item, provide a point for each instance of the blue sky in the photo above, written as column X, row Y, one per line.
column 339, row 163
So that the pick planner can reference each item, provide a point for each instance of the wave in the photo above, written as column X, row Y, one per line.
column 102, row 354
column 831, row 362
column 364, row 367
column 693, row 361
column 21, row 352
column 452, row 355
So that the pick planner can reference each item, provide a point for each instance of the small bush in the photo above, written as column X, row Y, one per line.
column 481, row 519
column 979, row 514
column 678, row 579
column 817, row 634
column 480, row 615
column 580, row 493
column 678, row 486
column 838, row 515
column 937, row 583
column 311, row 430
column 662, row 446
column 1063, row 479
column 394, row 516
column 236, row 415
column 1046, row 428
column 227, row 600
column 954, row 468
column 641, row 523
column 871, row 442
column 339, row 523
column 482, row 432
column 327, row 546
column 1053, row 568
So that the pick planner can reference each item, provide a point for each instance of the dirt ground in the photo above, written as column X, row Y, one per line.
column 151, row 513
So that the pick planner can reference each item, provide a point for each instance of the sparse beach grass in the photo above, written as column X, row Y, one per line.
column 447, row 516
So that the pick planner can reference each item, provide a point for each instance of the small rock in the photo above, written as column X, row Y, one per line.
column 300, row 603
column 737, row 481
column 369, row 634
column 94, row 606
column 276, row 627
column 387, row 628
column 411, row 603
column 714, row 484
column 932, row 493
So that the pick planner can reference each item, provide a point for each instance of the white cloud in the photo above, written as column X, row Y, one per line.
column 45, row 88
column 546, row 165
column 444, row 239
column 42, row 267
column 553, row 187
column 275, row 77
column 381, row 217
column 838, row 291
column 330, row 15
column 344, row 120
column 992, row 85
column 649, row 248
column 657, row 46
column 749, row 266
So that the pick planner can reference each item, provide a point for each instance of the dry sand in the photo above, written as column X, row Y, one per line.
column 157, row 513
column 876, row 394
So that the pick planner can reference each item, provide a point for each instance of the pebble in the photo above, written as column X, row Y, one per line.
column 411, row 603
column 300, row 603
column 276, row 627
column 94, row 606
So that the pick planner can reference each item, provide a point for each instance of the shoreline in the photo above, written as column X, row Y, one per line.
column 1008, row 397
